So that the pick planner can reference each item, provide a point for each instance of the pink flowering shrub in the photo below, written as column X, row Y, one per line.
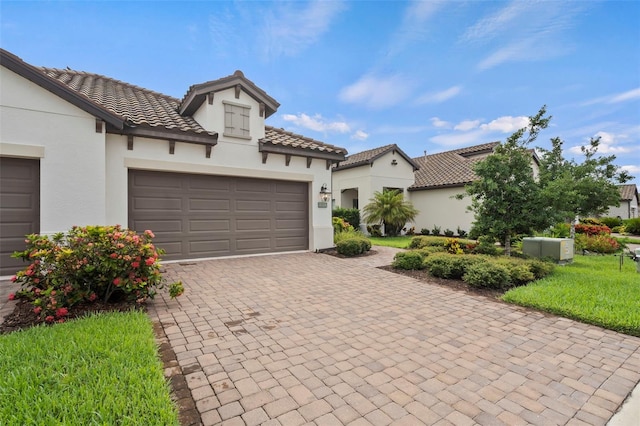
column 85, row 265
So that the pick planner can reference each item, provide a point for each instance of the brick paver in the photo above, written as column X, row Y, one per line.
column 309, row 338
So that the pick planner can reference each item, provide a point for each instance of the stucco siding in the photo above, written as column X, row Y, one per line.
column 36, row 123
column 439, row 207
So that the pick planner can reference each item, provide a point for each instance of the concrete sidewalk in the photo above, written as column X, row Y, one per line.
column 313, row 339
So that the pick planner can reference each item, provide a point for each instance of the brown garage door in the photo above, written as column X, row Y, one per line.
column 195, row 216
column 19, row 208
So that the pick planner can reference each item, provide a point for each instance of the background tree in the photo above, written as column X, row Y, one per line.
column 389, row 208
column 506, row 198
column 575, row 189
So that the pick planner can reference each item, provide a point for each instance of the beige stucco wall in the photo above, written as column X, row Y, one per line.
column 627, row 210
column 368, row 179
column 35, row 123
column 439, row 207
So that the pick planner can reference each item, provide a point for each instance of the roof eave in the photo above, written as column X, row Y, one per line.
column 198, row 93
column 428, row 187
column 33, row 74
column 269, row 147
column 167, row 134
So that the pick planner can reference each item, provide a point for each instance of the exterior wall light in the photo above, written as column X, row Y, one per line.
column 394, row 162
column 324, row 194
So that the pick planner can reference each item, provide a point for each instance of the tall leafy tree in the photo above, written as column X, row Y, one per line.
column 506, row 198
column 389, row 208
column 586, row 188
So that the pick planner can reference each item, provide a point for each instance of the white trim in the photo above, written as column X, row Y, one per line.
column 238, row 256
column 21, row 151
column 168, row 166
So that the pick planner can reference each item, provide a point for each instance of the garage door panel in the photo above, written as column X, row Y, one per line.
column 159, row 226
column 220, row 215
column 212, row 205
column 19, row 208
column 158, row 203
column 263, row 206
column 210, row 225
column 291, row 188
column 151, row 180
column 209, row 248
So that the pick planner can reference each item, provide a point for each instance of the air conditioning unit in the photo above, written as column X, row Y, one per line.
column 558, row 249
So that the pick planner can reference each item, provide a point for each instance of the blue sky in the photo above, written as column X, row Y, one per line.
column 428, row 76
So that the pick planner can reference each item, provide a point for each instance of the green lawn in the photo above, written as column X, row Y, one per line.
column 398, row 242
column 100, row 370
column 591, row 290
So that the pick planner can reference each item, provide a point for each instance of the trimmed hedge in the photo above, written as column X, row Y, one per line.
column 352, row 216
column 487, row 275
column 353, row 246
column 408, row 260
column 632, row 226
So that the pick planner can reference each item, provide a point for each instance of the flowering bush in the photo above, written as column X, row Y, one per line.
column 452, row 245
column 582, row 228
column 340, row 225
column 87, row 264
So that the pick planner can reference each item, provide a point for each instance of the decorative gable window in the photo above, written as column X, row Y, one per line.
column 236, row 120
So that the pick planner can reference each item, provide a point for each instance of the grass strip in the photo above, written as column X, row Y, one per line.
column 397, row 242
column 591, row 290
column 99, row 370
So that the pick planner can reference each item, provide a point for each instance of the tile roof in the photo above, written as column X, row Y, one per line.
column 369, row 156
column 136, row 105
column 450, row 168
column 282, row 138
column 627, row 192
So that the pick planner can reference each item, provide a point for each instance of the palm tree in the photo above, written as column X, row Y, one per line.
column 389, row 208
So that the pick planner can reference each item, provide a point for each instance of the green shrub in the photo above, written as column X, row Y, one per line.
column 448, row 233
column 559, row 230
column 461, row 233
column 435, row 230
column 591, row 221
column 539, row 268
column 619, row 229
column 632, row 226
column 611, row 222
column 445, row 265
column 426, row 241
column 341, row 225
column 352, row 216
column 409, row 260
column 353, row 246
column 87, row 264
column 487, row 275
column 486, row 246
column 519, row 272
column 344, row 235
column 409, row 231
column 428, row 250
column 424, row 231
column 603, row 244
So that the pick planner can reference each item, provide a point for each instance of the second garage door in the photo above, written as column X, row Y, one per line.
column 196, row 216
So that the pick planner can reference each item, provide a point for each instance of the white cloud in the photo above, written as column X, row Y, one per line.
column 492, row 25
column 438, row 97
column 400, row 129
column 610, row 143
column 360, row 135
column 467, row 125
column 436, row 122
column 631, row 169
column 377, row 92
column 506, row 124
column 290, row 29
column 317, row 123
column 614, row 98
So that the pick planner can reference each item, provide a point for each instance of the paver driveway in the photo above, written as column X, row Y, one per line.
column 312, row 339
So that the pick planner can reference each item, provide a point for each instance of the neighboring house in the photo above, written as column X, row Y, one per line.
column 204, row 172
column 628, row 203
column 430, row 182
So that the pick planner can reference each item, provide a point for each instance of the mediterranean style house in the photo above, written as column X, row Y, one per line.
column 629, row 201
column 204, row 172
column 430, row 182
